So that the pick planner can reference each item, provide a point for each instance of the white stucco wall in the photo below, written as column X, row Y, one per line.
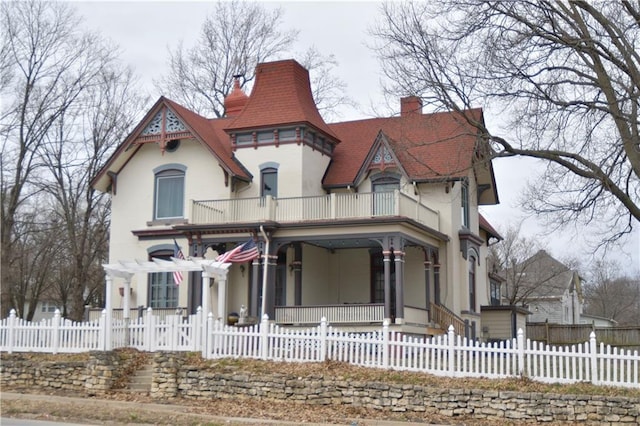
column 300, row 169
column 414, row 278
column 132, row 205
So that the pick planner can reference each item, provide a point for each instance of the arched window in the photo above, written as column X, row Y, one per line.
column 169, row 192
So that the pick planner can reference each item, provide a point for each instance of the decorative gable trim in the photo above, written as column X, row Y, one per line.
column 381, row 156
column 162, row 127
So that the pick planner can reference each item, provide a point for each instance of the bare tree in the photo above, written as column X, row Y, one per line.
column 59, row 86
column 564, row 74
column 235, row 38
column 609, row 295
column 329, row 92
column 86, row 134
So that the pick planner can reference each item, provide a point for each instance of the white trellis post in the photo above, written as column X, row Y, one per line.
column 222, row 297
column 126, row 309
column 109, row 308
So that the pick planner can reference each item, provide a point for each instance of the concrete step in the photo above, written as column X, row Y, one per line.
column 140, row 381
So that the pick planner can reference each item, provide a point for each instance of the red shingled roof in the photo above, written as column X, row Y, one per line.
column 429, row 146
column 484, row 224
column 210, row 132
column 281, row 95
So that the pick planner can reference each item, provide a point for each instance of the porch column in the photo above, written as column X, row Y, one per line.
column 194, row 296
column 436, row 284
column 125, row 310
column 127, row 300
column 297, row 273
column 254, row 303
column 399, row 268
column 205, row 296
column 427, row 287
column 386, row 260
column 270, row 305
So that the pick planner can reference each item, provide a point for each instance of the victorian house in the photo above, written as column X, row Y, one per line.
column 357, row 221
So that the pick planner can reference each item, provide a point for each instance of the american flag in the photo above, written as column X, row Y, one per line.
column 242, row 253
column 177, row 253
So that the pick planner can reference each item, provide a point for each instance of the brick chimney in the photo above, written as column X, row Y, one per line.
column 410, row 105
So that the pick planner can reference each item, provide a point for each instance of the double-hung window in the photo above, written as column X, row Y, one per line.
column 169, row 192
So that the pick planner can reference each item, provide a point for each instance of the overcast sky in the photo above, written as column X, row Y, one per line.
column 145, row 30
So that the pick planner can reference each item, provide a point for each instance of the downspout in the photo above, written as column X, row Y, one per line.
column 265, row 267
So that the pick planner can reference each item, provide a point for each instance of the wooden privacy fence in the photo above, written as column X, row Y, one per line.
column 566, row 334
column 447, row 355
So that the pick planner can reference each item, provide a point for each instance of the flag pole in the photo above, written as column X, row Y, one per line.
column 264, row 273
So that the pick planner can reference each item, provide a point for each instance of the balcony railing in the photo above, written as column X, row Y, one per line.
column 334, row 206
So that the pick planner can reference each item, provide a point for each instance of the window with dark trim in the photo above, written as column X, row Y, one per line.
column 472, row 283
column 169, row 194
column 494, row 292
column 163, row 291
column 269, row 178
column 377, row 279
column 383, row 197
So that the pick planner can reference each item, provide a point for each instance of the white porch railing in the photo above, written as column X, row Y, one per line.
column 334, row 314
column 446, row 355
column 334, row 206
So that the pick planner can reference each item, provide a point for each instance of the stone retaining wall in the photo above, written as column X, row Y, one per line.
column 173, row 377
column 95, row 375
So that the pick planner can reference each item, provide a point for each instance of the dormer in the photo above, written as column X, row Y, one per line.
column 281, row 110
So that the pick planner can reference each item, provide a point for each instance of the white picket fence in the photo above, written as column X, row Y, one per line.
column 446, row 355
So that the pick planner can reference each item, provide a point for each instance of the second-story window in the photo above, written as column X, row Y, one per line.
column 269, row 178
column 464, row 200
column 383, row 187
column 169, row 192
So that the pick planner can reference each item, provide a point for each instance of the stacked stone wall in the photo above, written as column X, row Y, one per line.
column 174, row 377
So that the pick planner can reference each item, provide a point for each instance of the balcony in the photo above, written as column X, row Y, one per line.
column 335, row 206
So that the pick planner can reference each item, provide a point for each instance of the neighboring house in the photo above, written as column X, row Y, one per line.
column 549, row 289
column 367, row 219
column 596, row 321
